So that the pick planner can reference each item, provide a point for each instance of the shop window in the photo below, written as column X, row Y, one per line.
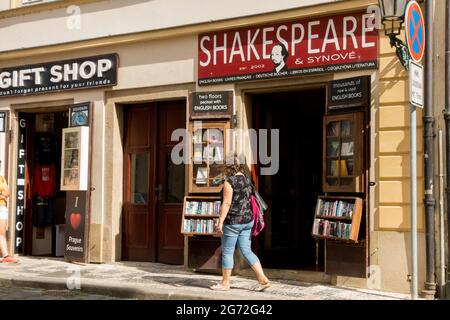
column 139, row 178
column 174, row 181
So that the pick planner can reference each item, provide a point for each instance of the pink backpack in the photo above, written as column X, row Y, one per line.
column 258, row 216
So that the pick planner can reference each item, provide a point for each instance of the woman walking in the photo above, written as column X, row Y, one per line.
column 4, row 194
column 235, row 225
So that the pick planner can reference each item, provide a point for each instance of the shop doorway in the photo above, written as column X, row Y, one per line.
column 45, row 204
column 292, row 192
column 154, row 187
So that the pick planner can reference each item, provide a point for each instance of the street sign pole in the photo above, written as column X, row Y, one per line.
column 415, row 35
column 416, row 100
column 414, row 280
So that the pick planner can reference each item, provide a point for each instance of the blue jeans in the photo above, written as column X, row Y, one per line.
column 240, row 234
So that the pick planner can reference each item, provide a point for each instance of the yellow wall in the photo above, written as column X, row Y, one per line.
column 393, row 146
column 390, row 239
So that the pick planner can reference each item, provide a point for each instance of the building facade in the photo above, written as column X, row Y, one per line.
column 164, row 57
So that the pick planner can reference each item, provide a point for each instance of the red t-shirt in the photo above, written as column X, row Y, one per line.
column 44, row 180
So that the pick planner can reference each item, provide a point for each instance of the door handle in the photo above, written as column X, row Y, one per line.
column 159, row 192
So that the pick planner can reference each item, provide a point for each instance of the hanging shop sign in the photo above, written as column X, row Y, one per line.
column 211, row 104
column 83, row 73
column 20, row 194
column 79, row 114
column 309, row 46
column 347, row 93
column 75, row 231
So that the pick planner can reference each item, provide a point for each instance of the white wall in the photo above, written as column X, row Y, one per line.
column 4, row 5
column 2, row 153
column 114, row 17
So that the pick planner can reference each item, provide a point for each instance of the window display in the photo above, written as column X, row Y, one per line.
column 343, row 153
column 75, row 158
column 207, row 156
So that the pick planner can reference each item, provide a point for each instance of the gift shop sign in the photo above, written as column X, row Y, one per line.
column 82, row 73
column 309, row 46
column 20, row 185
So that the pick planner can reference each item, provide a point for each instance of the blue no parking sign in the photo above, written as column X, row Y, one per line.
column 415, row 30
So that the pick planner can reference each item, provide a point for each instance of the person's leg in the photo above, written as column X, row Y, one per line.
column 244, row 243
column 262, row 278
column 3, row 245
column 229, row 239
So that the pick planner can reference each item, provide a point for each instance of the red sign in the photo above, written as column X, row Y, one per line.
column 330, row 44
column 415, row 31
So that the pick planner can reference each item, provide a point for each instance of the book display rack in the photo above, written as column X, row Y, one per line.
column 337, row 218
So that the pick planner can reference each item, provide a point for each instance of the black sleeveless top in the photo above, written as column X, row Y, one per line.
column 240, row 210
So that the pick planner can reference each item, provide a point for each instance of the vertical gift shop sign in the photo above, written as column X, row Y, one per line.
column 77, row 202
column 309, row 46
column 20, row 195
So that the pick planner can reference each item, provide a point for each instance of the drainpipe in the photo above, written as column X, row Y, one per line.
column 442, row 275
column 430, row 283
column 447, row 129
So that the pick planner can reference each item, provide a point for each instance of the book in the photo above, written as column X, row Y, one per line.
column 198, row 154
column 347, row 148
column 344, row 171
column 346, row 130
column 333, row 148
column 334, row 168
column 332, row 129
column 350, row 165
column 197, row 137
column 202, row 175
column 218, row 154
column 208, row 153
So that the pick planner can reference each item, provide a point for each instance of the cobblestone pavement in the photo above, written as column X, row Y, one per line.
column 160, row 281
column 17, row 293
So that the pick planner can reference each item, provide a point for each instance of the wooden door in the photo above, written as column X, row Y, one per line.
column 153, row 186
column 170, row 184
column 139, row 218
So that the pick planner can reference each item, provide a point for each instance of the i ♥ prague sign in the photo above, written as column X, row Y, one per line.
column 75, row 236
column 300, row 47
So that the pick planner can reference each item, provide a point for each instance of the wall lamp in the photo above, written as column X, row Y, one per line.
column 392, row 17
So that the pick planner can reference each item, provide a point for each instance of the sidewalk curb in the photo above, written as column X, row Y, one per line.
column 95, row 287
column 115, row 289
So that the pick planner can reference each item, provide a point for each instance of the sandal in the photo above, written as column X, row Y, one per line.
column 219, row 287
column 262, row 287
column 9, row 259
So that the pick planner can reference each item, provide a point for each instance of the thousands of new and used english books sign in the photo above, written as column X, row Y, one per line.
column 300, row 47
column 350, row 92
column 81, row 73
